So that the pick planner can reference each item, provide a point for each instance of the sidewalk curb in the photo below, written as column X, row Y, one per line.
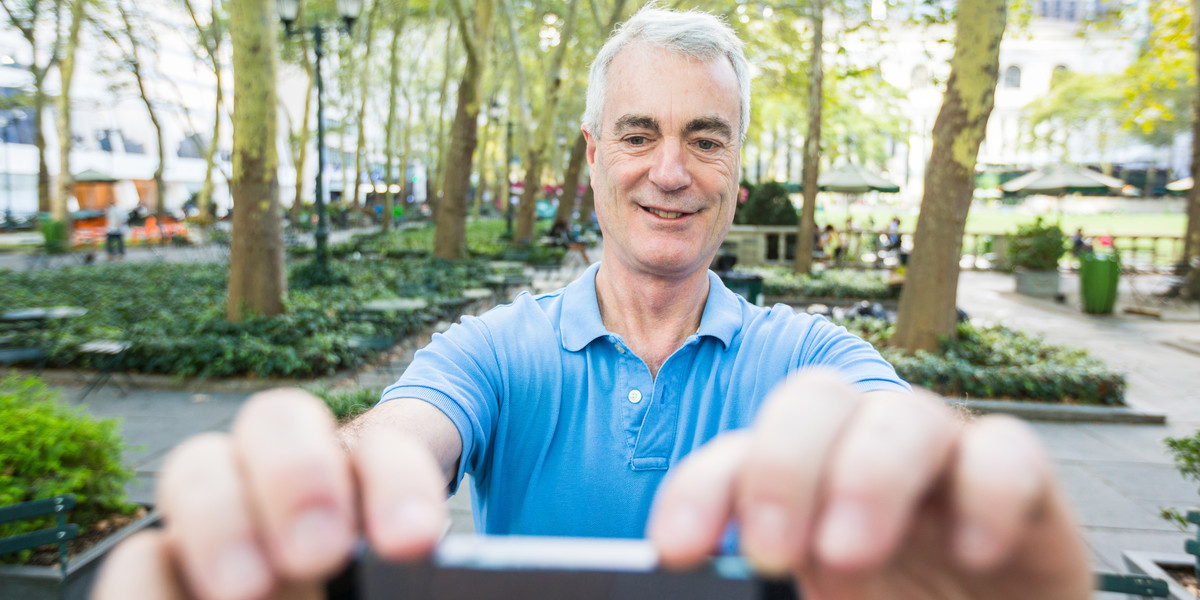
column 1065, row 413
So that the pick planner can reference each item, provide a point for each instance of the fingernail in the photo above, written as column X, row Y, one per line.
column 845, row 534
column 241, row 572
column 316, row 534
column 767, row 537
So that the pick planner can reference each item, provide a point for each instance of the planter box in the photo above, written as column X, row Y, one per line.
column 49, row 583
column 1149, row 563
column 1041, row 284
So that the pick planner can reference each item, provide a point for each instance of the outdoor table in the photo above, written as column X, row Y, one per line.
column 42, row 315
column 477, row 294
column 395, row 305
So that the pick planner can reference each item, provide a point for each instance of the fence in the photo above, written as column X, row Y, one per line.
column 768, row 244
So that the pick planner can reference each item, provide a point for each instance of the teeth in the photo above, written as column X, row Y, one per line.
column 664, row 214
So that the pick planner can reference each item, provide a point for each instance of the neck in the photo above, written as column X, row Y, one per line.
column 654, row 315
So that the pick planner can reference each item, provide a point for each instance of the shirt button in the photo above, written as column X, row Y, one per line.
column 635, row 396
column 620, row 349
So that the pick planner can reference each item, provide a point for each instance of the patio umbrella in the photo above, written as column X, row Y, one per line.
column 1060, row 180
column 1181, row 185
column 853, row 179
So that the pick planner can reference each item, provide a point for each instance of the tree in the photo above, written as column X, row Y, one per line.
column 1191, row 238
column 812, row 145
column 364, row 76
column 389, row 146
column 130, row 47
column 28, row 16
column 211, row 37
column 66, row 74
column 927, row 308
column 450, row 238
column 257, row 280
column 543, row 134
column 1077, row 102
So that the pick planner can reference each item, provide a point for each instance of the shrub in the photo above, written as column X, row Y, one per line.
column 997, row 362
column 54, row 236
column 173, row 314
column 1036, row 246
column 834, row 283
column 52, row 449
column 346, row 403
column 1186, row 451
column 768, row 204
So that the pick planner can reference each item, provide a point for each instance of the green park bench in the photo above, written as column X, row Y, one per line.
column 1145, row 586
column 60, row 534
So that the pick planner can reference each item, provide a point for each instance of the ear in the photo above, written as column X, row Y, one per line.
column 591, row 146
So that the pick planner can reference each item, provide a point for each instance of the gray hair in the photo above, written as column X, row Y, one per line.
column 694, row 34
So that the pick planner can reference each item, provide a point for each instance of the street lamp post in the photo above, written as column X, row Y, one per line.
column 288, row 11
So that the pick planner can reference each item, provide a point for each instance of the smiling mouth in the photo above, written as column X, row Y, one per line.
column 663, row 213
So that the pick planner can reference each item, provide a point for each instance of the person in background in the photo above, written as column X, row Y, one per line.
column 114, row 240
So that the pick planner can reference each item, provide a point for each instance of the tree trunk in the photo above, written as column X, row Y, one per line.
column 39, row 141
column 360, row 146
column 1191, row 238
column 437, row 178
column 586, row 205
column 257, row 280
column 543, row 136
column 812, row 146
column 927, row 308
column 389, row 150
column 160, row 187
column 66, row 71
column 570, row 191
column 450, row 238
column 303, row 134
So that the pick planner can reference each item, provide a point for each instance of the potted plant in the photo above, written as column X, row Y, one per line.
column 1033, row 253
column 1178, row 570
column 51, row 449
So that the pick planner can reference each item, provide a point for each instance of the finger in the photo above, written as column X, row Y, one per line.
column 404, row 494
column 893, row 452
column 779, row 481
column 695, row 503
column 299, row 482
column 208, row 523
column 139, row 568
column 999, row 482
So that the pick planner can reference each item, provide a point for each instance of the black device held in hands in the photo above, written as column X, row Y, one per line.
column 469, row 567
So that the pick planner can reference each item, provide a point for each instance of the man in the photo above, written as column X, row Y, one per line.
column 569, row 410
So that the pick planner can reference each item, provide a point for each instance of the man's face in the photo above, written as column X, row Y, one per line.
column 665, row 165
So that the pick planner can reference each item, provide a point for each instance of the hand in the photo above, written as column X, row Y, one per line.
column 883, row 495
column 273, row 509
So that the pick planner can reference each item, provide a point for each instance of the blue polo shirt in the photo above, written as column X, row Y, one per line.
column 564, row 430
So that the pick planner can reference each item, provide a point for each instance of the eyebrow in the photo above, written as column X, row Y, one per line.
column 715, row 125
column 628, row 122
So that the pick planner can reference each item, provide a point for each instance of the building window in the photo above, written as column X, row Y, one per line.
column 1012, row 77
column 132, row 147
column 192, row 146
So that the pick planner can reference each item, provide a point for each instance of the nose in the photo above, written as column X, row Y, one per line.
column 669, row 171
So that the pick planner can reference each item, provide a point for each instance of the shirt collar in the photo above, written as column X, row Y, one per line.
column 581, row 323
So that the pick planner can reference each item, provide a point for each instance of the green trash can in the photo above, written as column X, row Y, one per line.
column 749, row 285
column 1098, row 278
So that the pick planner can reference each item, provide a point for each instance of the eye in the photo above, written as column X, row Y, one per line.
column 636, row 140
column 706, row 144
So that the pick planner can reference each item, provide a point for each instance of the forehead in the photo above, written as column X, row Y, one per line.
column 667, row 86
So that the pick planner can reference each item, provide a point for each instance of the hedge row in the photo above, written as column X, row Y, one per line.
column 832, row 283
column 992, row 361
column 174, row 314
